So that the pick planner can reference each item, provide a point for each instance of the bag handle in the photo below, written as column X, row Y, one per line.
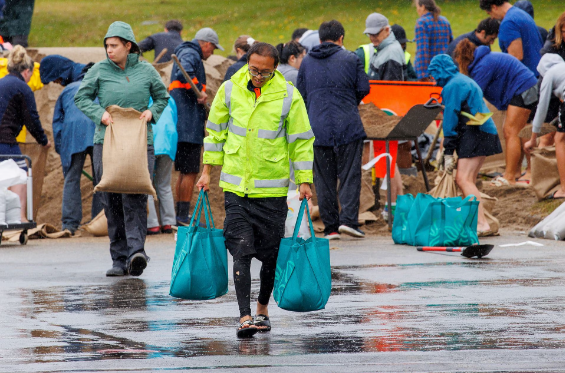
column 209, row 208
column 203, row 203
column 303, row 205
column 197, row 209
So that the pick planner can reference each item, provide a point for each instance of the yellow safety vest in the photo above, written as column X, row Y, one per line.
column 253, row 138
column 369, row 51
column 407, row 56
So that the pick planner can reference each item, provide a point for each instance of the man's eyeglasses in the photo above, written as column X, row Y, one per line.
column 257, row 73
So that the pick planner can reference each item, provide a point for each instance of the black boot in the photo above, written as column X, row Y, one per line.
column 183, row 213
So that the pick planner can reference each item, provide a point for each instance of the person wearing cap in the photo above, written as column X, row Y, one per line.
column 383, row 58
column 123, row 80
column 169, row 39
column 485, row 34
column 191, row 113
column 400, row 34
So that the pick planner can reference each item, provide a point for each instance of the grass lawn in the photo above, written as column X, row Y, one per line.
column 65, row 23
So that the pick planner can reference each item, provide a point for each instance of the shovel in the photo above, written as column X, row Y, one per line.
column 470, row 251
column 474, row 120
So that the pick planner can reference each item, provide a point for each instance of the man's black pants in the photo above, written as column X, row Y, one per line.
column 253, row 229
column 332, row 164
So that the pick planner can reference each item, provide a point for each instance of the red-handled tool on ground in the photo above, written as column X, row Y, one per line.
column 470, row 251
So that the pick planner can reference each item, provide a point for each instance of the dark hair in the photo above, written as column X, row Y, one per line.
column 298, row 33
column 292, row 48
column 174, row 25
column 265, row 50
column 487, row 4
column 331, row 31
column 134, row 47
column 430, row 6
column 464, row 54
column 489, row 25
column 243, row 43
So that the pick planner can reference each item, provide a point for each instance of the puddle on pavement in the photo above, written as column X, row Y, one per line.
column 135, row 319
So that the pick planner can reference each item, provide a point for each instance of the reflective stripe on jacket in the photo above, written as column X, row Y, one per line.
column 254, row 138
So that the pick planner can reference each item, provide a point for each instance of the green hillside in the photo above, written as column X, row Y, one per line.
column 66, row 23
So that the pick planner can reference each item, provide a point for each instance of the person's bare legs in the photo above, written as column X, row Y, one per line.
column 404, row 156
column 560, row 155
column 516, row 119
column 467, row 172
column 396, row 187
column 21, row 191
column 547, row 140
column 185, row 186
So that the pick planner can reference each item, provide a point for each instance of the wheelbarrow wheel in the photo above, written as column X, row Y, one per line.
column 23, row 238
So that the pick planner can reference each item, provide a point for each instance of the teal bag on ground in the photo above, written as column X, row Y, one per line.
column 418, row 207
column 200, row 266
column 303, row 279
column 448, row 222
column 400, row 223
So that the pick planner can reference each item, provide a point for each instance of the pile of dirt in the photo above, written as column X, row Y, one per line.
column 376, row 122
column 52, row 193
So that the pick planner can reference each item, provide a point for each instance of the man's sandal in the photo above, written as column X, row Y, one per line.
column 262, row 323
column 246, row 329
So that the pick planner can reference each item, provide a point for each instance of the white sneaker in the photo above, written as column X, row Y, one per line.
column 351, row 231
column 332, row 236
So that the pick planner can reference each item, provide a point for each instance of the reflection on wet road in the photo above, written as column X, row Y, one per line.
column 445, row 305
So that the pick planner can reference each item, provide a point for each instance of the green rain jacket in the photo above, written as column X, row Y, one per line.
column 128, row 88
column 253, row 139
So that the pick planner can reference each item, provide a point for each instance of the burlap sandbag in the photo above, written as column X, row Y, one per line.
column 367, row 199
column 488, row 205
column 98, row 226
column 445, row 188
column 545, row 177
column 124, row 156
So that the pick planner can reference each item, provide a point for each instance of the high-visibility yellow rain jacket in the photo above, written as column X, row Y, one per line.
column 253, row 138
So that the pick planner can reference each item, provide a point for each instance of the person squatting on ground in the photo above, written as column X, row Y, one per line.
column 73, row 133
column 552, row 69
column 191, row 113
column 291, row 55
column 122, row 80
column 518, row 34
column 169, row 39
column 508, row 85
column 432, row 35
column 472, row 143
column 485, row 34
column 384, row 59
column 18, row 109
column 165, row 140
column 241, row 47
column 257, row 122
column 333, row 83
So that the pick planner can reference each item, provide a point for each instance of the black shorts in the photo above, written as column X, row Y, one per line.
column 475, row 143
column 518, row 100
column 561, row 121
column 187, row 160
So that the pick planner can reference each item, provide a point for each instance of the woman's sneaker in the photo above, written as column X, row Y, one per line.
column 332, row 236
column 355, row 232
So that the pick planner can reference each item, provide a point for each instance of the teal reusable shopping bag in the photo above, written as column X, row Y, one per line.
column 200, row 266
column 303, row 279
column 449, row 222
column 413, row 217
column 400, row 224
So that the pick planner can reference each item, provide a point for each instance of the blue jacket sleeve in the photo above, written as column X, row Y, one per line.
column 452, row 102
column 362, row 87
column 58, row 123
column 301, row 84
column 190, row 62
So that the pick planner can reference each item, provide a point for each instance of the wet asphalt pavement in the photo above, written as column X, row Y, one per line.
column 392, row 309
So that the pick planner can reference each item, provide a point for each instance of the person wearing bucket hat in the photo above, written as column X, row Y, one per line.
column 123, row 80
column 191, row 113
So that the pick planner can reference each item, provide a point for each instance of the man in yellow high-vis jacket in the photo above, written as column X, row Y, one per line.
column 257, row 123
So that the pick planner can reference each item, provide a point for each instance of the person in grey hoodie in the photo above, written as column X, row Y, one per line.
column 552, row 68
column 291, row 55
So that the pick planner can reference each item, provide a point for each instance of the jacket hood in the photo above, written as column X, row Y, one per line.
column 193, row 44
column 442, row 69
column 58, row 67
column 547, row 61
column 480, row 52
column 124, row 31
column 526, row 6
column 324, row 50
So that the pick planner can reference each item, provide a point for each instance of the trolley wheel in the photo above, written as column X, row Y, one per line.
column 23, row 238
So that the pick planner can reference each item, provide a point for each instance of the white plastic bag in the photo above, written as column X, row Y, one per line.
column 293, row 208
column 13, row 208
column 2, row 206
column 11, row 174
column 552, row 227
